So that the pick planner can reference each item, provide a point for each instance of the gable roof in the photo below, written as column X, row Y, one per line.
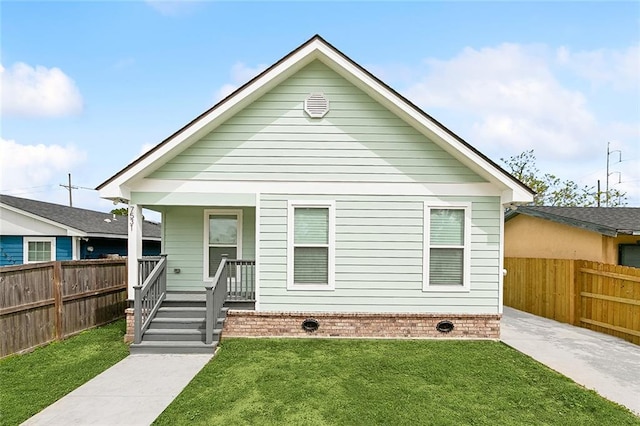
column 81, row 222
column 316, row 48
column 609, row 221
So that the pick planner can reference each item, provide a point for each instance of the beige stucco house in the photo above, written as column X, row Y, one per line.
column 601, row 234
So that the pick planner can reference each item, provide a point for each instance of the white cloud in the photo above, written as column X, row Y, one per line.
column 513, row 98
column 28, row 167
column 38, row 91
column 240, row 74
column 619, row 68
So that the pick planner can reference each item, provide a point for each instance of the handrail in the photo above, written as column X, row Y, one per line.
column 234, row 280
column 215, row 296
column 148, row 296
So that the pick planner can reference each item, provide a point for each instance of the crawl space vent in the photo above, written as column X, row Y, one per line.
column 316, row 105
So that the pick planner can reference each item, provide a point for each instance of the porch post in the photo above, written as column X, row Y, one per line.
column 134, row 247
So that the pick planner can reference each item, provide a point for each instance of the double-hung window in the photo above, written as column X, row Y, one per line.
column 311, row 245
column 39, row 249
column 447, row 247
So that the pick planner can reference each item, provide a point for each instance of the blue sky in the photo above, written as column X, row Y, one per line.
column 88, row 86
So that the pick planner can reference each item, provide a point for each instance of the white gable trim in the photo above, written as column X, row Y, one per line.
column 120, row 186
column 71, row 232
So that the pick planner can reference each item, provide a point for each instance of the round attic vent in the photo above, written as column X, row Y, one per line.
column 316, row 105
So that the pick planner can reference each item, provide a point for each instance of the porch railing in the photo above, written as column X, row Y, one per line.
column 234, row 280
column 149, row 293
column 145, row 267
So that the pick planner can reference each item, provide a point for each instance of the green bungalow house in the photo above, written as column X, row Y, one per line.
column 315, row 201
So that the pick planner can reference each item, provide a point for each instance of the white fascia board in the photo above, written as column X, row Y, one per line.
column 71, row 232
column 421, row 123
column 321, row 188
column 208, row 122
column 515, row 196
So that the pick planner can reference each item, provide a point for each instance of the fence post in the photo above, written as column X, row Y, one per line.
column 57, row 296
column 574, row 293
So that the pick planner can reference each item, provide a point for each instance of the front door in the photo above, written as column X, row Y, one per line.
column 224, row 237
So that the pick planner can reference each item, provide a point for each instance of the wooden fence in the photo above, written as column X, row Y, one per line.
column 598, row 296
column 49, row 301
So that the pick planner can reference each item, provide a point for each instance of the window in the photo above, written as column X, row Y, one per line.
column 311, row 246
column 447, row 253
column 39, row 249
column 223, row 237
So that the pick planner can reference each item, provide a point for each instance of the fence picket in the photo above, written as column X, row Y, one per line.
column 50, row 301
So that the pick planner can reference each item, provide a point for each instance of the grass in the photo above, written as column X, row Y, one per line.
column 33, row 381
column 383, row 382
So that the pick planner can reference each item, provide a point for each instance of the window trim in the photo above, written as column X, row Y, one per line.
column 25, row 248
column 205, row 251
column 331, row 264
column 466, row 256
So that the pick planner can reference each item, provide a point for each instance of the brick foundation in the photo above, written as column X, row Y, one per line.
column 128, row 337
column 359, row 325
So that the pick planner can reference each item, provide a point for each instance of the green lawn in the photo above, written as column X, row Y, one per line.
column 33, row 381
column 383, row 382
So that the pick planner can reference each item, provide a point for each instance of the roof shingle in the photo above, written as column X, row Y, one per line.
column 88, row 221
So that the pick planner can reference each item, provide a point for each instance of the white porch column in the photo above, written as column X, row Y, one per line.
column 134, row 247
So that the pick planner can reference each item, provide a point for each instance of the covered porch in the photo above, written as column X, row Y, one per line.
column 188, row 316
column 208, row 265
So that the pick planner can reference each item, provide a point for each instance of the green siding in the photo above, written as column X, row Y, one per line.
column 379, row 252
column 357, row 141
column 184, row 244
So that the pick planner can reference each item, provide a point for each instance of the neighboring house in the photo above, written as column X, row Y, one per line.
column 356, row 207
column 601, row 234
column 36, row 231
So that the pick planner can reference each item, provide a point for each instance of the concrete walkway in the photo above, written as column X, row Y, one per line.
column 606, row 364
column 133, row 392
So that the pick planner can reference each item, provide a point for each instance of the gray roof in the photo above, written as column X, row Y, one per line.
column 89, row 221
column 609, row 221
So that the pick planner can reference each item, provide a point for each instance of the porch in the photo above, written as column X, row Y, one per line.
column 166, row 321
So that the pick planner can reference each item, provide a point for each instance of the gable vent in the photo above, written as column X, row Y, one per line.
column 316, row 105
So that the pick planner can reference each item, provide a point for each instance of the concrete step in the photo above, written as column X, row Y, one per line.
column 177, row 323
column 181, row 312
column 172, row 348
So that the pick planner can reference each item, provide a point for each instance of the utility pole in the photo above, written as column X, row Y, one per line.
column 609, row 152
column 598, row 194
column 70, row 188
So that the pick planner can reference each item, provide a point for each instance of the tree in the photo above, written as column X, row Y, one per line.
column 553, row 191
column 122, row 211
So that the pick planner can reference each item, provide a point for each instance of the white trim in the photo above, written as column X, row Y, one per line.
column 466, row 273
column 219, row 212
column 75, row 248
column 70, row 231
column 331, row 205
column 25, row 248
column 501, row 264
column 134, row 246
column 257, row 252
column 472, row 189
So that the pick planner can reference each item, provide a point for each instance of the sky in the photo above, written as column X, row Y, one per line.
column 87, row 87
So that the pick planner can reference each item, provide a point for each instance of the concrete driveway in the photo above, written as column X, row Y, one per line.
column 606, row 364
